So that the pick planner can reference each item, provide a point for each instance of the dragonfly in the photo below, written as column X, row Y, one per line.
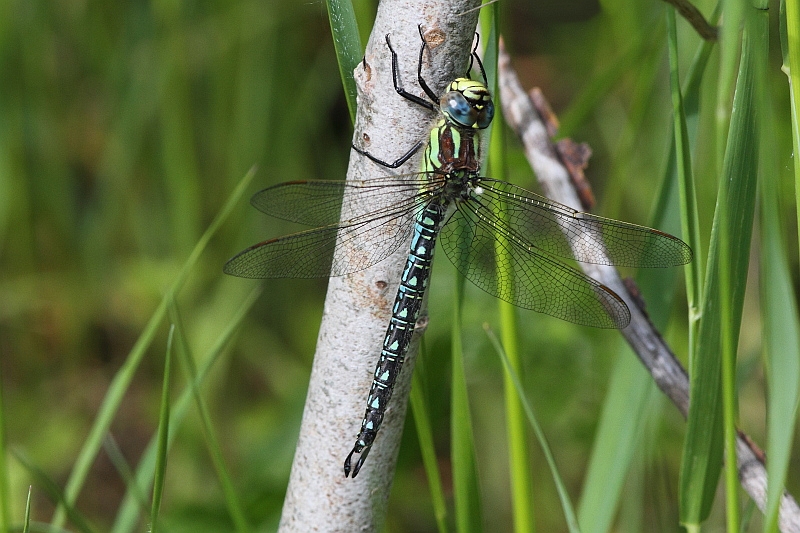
column 505, row 239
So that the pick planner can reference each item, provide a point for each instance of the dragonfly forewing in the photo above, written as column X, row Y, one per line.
column 556, row 229
column 322, row 203
column 334, row 250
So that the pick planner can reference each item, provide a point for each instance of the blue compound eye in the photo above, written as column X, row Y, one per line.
column 456, row 108
column 486, row 115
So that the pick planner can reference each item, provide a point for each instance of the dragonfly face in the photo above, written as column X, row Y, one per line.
column 467, row 104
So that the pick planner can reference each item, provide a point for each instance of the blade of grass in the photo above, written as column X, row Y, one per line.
column 54, row 491
column 466, row 490
column 347, row 42
column 163, row 437
column 422, row 423
column 566, row 505
column 618, row 437
column 26, row 524
column 790, row 42
column 729, row 39
column 122, row 379
column 235, row 508
column 693, row 272
column 779, row 310
column 702, row 453
column 118, row 460
column 179, row 157
column 690, row 224
column 728, row 354
column 518, row 456
column 5, row 506
column 128, row 515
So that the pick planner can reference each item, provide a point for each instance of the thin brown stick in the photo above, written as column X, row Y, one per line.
column 645, row 340
column 693, row 16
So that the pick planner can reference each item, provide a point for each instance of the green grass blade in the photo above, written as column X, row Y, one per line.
column 26, row 524
column 235, row 507
column 122, row 379
column 790, row 37
column 702, row 454
column 518, row 456
column 422, row 423
column 5, row 506
column 689, row 220
column 179, row 157
column 728, row 355
column 46, row 483
column 466, row 490
column 519, row 459
column 693, row 272
column 128, row 515
column 618, row 437
column 117, row 458
column 347, row 42
column 163, row 437
column 729, row 42
column 566, row 505
column 779, row 310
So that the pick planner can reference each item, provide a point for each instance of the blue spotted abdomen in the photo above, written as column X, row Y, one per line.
column 405, row 312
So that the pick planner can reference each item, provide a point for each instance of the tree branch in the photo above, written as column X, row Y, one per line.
column 358, row 307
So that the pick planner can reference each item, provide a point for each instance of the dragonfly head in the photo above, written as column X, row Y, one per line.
column 467, row 104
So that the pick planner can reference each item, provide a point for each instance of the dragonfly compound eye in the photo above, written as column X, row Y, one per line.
column 486, row 115
column 457, row 109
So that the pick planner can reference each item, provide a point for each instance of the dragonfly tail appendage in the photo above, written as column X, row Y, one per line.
column 355, row 468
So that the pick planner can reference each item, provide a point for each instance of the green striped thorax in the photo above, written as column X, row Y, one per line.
column 466, row 108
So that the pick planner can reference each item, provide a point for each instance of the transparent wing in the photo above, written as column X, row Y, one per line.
column 314, row 253
column 509, row 269
column 319, row 203
column 564, row 232
column 378, row 224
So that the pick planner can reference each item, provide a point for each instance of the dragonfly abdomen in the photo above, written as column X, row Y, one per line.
column 405, row 312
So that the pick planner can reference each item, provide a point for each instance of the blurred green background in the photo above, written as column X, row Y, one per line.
column 124, row 127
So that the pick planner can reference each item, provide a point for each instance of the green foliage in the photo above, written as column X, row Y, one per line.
column 125, row 133
column 726, row 280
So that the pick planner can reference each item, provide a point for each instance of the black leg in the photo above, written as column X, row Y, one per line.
column 474, row 56
column 480, row 65
column 422, row 82
column 399, row 161
column 396, row 75
column 408, row 96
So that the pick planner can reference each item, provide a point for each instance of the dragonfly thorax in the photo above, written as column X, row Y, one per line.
column 467, row 104
column 461, row 185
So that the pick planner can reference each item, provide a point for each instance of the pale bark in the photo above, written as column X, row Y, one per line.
column 358, row 307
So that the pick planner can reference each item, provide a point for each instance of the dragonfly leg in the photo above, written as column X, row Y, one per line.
column 399, row 161
column 422, row 82
column 396, row 79
column 474, row 56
